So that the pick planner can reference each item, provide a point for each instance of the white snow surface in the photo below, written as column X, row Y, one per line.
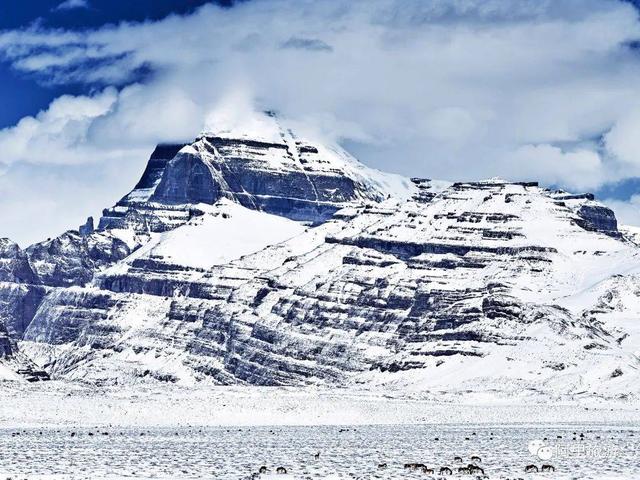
column 63, row 403
column 65, row 431
column 225, row 232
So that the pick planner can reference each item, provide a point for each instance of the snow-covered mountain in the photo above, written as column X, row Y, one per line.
column 272, row 260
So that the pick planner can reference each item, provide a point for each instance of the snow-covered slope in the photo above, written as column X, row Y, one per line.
column 224, row 232
column 482, row 287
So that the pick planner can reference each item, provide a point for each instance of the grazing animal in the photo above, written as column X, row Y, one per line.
column 263, row 469
column 414, row 466
column 446, row 471
column 464, row 470
column 457, row 459
column 281, row 470
column 475, row 458
column 548, row 468
column 428, row 470
column 382, row 466
column 317, row 455
column 530, row 469
column 474, row 469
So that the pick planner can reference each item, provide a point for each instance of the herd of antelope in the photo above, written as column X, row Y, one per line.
column 471, row 468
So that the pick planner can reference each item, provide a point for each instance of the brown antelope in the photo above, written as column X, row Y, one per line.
column 446, row 471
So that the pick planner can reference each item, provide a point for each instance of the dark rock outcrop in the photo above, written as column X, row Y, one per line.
column 72, row 259
column 87, row 228
column 590, row 215
column 14, row 264
column 18, row 305
column 598, row 218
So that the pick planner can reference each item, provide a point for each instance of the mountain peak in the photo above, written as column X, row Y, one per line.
column 260, row 165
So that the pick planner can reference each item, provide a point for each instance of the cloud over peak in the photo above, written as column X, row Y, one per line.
column 452, row 89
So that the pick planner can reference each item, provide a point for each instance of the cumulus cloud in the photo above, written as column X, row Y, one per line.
column 461, row 89
column 58, row 134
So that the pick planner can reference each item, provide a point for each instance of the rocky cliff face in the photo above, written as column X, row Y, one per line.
column 20, row 294
column 72, row 258
column 27, row 276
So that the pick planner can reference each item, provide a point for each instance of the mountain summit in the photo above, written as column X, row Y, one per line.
column 271, row 170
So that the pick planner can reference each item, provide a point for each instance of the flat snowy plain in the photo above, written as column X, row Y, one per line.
column 63, row 431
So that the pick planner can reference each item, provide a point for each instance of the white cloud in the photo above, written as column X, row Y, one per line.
column 627, row 211
column 576, row 169
column 58, row 134
column 460, row 90
column 623, row 140
column 72, row 4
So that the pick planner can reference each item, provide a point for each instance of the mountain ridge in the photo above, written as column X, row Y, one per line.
column 437, row 285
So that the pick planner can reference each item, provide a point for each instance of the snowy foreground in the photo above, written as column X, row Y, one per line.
column 57, row 430
column 62, row 404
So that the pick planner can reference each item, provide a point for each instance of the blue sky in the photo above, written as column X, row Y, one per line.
column 452, row 89
column 21, row 94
